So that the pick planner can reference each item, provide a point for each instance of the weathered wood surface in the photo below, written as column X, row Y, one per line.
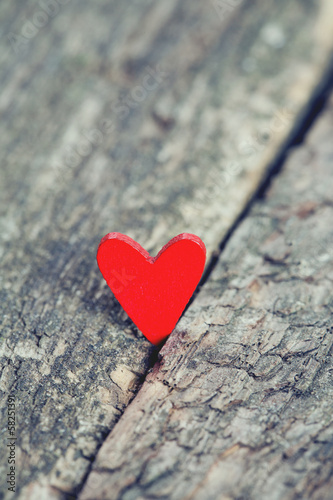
column 240, row 403
column 146, row 118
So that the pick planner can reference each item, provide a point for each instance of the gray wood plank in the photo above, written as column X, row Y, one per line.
column 240, row 403
column 146, row 118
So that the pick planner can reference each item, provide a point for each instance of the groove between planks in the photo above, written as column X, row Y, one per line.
column 185, row 158
column 240, row 403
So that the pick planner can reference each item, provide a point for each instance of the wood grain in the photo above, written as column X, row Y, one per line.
column 145, row 118
column 240, row 403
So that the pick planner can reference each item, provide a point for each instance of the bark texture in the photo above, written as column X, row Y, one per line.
column 239, row 405
column 148, row 118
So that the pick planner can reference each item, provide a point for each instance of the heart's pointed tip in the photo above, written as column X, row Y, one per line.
column 155, row 343
column 156, row 339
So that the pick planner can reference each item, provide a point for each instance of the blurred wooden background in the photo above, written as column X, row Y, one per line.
column 152, row 119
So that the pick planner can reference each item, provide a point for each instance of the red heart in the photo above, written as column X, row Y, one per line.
column 153, row 290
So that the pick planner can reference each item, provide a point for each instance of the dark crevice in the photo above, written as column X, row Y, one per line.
column 154, row 358
column 308, row 117
column 315, row 107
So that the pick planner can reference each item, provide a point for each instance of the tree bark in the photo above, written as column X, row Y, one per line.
column 146, row 118
column 239, row 405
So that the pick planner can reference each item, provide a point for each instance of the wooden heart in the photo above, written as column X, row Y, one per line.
column 153, row 290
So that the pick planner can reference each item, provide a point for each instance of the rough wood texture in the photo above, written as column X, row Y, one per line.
column 148, row 118
column 240, row 403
